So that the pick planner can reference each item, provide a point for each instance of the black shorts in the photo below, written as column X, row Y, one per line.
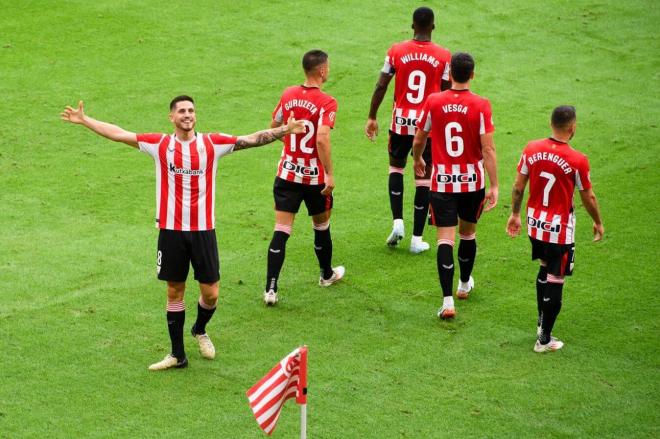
column 400, row 146
column 559, row 258
column 447, row 207
column 289, row 195
column 177, row 250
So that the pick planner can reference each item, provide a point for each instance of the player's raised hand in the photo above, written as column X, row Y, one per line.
column 371, row 129
column 73, row 115
column 420, row 167
column 294, row 126
column 491, row 198
column 513, row 225
column 599, row 230
column 329, row 185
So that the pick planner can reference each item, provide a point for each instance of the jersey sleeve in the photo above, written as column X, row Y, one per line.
column 223, row 144
column 328, row 113
column 424, row 121
column 388, row 65
column 445, row 72
column 486, row 125
column 522, row 164
column 278, row 112
column 582, row 177
column 148, row 143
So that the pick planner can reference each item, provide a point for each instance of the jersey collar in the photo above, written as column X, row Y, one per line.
column 558, row 141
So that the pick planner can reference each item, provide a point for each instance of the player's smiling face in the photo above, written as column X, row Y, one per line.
column 183, row 116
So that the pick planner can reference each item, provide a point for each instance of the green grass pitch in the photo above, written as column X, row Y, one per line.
column 82, row 315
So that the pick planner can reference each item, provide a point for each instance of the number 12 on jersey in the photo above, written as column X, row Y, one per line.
column 303, row 142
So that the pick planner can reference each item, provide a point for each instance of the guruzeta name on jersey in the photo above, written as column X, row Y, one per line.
column 301, row 103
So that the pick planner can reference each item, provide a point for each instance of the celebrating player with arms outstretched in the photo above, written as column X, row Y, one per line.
column 420, row 68
column 305, row 172
column 553, row 170
column 186, row 164
column 462, row 128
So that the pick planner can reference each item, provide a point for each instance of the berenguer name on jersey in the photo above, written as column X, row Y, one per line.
column 554, row 158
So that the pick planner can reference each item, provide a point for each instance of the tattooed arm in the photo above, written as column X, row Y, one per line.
column 267, row 136
column 517, row 193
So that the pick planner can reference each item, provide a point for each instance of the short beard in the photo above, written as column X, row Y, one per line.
column 185, row 129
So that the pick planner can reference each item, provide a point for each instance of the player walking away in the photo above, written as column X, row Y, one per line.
column 461, row 126
column 305, row 171
column 553, row 170
column 186, row 164
column 421, row 68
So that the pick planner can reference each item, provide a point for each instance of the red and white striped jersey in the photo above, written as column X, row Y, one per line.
column 419, row 68
column 554, row 170
column 456, row 120
column 185, row 178
column 300, row 159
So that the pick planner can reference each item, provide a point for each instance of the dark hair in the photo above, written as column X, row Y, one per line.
column 178, row 99
column 423, row 17
column 462, row 66
column 563, row 116
column 313, row 59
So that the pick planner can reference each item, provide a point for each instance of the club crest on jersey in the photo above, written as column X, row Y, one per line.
column 456, row 178
column 545, row 226
column 184, row 171
column 405, row 121
column 305, row 171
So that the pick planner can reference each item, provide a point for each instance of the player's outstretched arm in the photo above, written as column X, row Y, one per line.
column 267, row 136
column 371, row 129
column 107, row 130
column 513, row 224
column 323, row 148
column 591, row 204
column 276, row 123
column 419, row 142
column 490, row 163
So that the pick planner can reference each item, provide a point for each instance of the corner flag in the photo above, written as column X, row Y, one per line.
column 287, row 379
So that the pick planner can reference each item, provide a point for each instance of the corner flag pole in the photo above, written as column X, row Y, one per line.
column 301, row 397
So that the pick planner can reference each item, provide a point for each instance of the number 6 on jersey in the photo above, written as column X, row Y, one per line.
column 450, row 140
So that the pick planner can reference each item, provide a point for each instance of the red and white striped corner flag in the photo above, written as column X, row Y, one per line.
column 287, row 379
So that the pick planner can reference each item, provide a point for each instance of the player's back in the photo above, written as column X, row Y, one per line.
column 299, row 160
column 554, row 170
column 456, row 120
column 419, row 68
